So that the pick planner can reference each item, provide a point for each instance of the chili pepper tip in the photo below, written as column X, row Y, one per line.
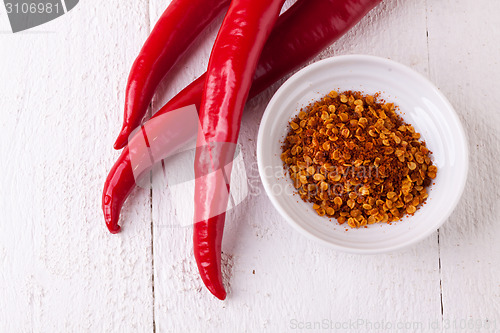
column 114, row 229
column 122, row 140
column 220, row 294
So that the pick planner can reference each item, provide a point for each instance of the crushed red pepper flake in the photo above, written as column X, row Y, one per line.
column 355, row 159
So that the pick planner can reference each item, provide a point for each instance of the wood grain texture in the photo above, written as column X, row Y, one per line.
column 275, row 277
column 61, row 98
column 61, row 103
column 463, row 49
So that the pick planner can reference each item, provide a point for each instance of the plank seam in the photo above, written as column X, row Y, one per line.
column 438, row 244
column 152, row 256
column 440, row 281
column 150, row 112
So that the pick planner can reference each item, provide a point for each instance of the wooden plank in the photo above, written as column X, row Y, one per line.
column 61, row 99
column 463, row 55
column 61, row 96
column 175, row 272
column 277, row 279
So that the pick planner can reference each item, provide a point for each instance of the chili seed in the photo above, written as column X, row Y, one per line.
column 324, row 149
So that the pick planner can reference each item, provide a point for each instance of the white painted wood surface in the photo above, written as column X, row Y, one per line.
column 61, row 100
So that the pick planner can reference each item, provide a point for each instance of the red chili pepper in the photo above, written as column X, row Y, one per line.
column 232, row 64
column 119, row 184
column 175, row 31
column 301, row 32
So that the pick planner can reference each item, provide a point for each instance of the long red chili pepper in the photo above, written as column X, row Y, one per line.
column 175, row 31
column 305, row 29
column 232, row 64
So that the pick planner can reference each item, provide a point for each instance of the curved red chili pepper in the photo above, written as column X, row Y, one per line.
column 305, row 29
column 231, row 67
column 118, row 185
column 175, row 31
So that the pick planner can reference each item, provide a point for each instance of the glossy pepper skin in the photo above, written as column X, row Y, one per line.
column 289, row 46
column 231, row 67
column 175, row 31
column 119, row 184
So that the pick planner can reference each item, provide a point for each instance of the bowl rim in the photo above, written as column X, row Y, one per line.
column 461, row 135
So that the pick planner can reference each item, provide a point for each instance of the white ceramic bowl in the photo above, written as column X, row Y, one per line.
column 421, row 104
